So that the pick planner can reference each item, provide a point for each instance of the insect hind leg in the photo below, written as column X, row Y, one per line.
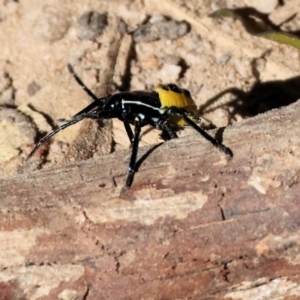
column 175, row 111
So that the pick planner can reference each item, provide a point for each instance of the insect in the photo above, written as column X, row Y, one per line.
column 165, row 107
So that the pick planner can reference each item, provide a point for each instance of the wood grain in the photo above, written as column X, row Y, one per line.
column 192, row 226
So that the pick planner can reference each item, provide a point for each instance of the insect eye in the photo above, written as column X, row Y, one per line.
column 174, row 88
column 165, row 87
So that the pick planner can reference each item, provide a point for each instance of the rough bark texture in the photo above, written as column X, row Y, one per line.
column 192, row 226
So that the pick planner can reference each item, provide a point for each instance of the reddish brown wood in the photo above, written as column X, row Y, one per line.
column 192, row 226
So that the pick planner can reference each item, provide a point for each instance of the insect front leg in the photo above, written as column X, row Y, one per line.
column 135, row 147
column 129, row 131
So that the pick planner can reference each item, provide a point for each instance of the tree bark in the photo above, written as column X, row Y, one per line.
column 194, row 225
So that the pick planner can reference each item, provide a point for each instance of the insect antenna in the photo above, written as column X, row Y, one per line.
column 97, row 101
column 80, row 82
column 91, row 115
column 91, row 106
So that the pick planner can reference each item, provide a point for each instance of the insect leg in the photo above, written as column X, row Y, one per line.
column 135, row 147
column 183, row 115
column 163, row 125
column 170, row 131
column 128, row 131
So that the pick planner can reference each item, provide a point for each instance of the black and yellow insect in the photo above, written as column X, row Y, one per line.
column 163, row 108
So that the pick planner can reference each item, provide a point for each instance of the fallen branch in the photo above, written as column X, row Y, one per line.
column 193, row 225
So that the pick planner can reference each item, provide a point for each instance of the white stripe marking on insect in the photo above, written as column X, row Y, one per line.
column 161, row 110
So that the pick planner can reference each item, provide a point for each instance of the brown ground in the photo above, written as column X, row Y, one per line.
column 38, row 39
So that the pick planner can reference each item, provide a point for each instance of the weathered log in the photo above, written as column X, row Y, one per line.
column 194, row 225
